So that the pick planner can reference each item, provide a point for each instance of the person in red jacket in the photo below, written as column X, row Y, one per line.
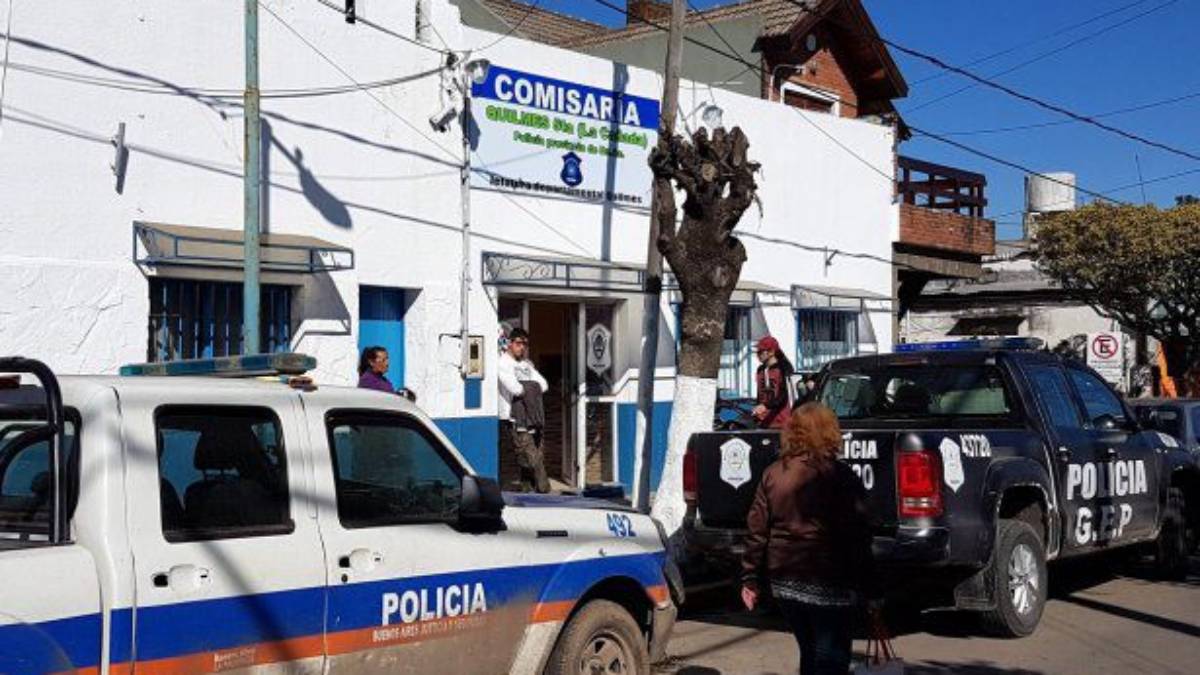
column 773, row 381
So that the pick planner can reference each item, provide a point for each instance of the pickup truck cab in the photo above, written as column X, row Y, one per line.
column 980, row 464
column 201, row 524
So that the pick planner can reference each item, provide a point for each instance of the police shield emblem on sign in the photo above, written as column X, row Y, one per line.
column 572, row 174
column 735, row 462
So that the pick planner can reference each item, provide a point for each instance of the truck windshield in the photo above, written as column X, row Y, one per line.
column 917, row 391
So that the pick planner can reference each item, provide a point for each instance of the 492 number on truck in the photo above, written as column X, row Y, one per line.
column 980, row 465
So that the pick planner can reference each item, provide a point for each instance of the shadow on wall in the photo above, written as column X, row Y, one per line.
column 332, row 209
column 321, row 309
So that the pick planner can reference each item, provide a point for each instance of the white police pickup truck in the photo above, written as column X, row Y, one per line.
column 199, row 524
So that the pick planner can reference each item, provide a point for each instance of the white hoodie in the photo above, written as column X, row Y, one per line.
column 511, row 374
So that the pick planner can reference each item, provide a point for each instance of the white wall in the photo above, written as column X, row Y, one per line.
column 354, row 169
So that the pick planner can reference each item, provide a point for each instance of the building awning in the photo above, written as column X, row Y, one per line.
column 190, row 246
column 745, row 294
column 808, row 296
column 510, row 269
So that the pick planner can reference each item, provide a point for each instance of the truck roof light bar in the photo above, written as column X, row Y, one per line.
column 253, row 365
column 1016, row 343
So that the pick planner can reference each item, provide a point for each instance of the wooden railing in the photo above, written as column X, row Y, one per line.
column 940, row 187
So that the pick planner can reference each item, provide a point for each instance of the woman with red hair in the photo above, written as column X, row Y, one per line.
column 810, row 538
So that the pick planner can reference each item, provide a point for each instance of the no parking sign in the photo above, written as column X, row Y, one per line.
column 1106, row 355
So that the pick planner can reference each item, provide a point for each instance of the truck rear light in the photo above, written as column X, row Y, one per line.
column 919, row 478
column 689, row 476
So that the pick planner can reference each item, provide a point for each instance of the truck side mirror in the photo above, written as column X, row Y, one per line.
column 1107, row 422
column 481, row 504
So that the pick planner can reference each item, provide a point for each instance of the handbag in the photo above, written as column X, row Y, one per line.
column 881, row 655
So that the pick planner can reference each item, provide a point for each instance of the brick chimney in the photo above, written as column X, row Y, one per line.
column 640, row 11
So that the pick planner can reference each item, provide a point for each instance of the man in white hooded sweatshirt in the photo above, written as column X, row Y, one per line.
column 522, row 416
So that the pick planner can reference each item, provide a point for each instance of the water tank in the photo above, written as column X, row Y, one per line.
column 1050, row 192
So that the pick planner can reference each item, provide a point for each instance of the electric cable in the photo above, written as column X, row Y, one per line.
column 1044, row 55
column 381, row 28
column 1033, row 41
column 453, row 156
column 1033, row 100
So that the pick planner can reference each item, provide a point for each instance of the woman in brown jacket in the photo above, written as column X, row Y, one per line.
column 810, row 538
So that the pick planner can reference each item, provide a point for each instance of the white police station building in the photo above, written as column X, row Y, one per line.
column 121, row 155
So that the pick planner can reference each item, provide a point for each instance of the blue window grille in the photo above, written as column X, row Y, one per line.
column 192, row 319
column 735, row 379
column 824, row 335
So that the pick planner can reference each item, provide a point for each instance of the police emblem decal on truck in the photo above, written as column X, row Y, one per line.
column 952, row 464
column 735, row 462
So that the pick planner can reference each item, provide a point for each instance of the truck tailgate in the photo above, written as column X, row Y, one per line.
column 729, row 465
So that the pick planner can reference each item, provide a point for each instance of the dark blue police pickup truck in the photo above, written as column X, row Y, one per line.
column 981, row 462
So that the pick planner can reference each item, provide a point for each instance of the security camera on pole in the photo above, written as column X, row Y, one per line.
column 457, row 78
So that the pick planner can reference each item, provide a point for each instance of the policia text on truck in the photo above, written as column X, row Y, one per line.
column 982, row 461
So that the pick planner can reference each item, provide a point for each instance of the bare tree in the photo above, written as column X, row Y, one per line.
column 706, row 258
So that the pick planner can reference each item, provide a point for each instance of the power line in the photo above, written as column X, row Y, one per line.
column 1027, row 43
column 1015, row 93
column 142, row 87
column 1046, row 55
column 455, row 158
column 512, row 29
column 756, row 66
column 381, row 28
column 1055, row 123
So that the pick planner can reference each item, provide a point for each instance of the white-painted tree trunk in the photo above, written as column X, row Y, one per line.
column 691, row 413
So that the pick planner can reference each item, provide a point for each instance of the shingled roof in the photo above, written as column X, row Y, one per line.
column 542, row 25
column 780, row 18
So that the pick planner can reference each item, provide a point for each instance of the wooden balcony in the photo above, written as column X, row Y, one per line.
column 942, row 208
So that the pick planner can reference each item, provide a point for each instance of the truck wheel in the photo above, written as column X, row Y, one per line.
column 601, row 638
column 1017, row 580
column 1171, row 547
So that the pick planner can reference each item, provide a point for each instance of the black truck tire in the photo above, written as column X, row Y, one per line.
column 601, row 638
column 1016, row 578
column 1172, row 547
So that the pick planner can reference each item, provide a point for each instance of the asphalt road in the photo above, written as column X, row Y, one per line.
column 1098, row 621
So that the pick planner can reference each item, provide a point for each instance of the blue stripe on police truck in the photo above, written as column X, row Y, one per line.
column 177, row 629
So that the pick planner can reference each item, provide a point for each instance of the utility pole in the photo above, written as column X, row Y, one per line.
column 252, row 194
column 653, row 291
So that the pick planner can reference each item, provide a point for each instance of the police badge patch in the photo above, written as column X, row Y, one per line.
column 572, row 173
column 735, row 462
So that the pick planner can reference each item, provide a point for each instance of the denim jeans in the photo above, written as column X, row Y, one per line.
column 824, row 633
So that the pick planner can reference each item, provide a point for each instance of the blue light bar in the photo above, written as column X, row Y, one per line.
column 1015, row 343
column 254, row 365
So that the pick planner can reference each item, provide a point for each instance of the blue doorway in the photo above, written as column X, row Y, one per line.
column 381, row 324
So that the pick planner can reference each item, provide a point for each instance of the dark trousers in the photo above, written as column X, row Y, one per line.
column 527, row 446
column 825, row 635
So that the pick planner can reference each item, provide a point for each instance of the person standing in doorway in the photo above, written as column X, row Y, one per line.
column 773, row 379
column 372, row 370
column 810, row 539
column 522, row 416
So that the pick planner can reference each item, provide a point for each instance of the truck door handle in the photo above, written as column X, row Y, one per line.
column 1110, row 453
column 361, row 560
column 182, row 578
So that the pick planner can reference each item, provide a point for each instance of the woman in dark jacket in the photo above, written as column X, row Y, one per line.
column 772, row 379
column 810, row 538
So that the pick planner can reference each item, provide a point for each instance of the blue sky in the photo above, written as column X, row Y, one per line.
column 1119, row 60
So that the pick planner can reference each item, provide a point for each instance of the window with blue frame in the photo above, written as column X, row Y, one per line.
column 735, row 379
column 192, row 319
column 824, row 335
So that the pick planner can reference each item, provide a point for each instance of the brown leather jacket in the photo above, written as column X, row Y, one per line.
column 809, row 522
